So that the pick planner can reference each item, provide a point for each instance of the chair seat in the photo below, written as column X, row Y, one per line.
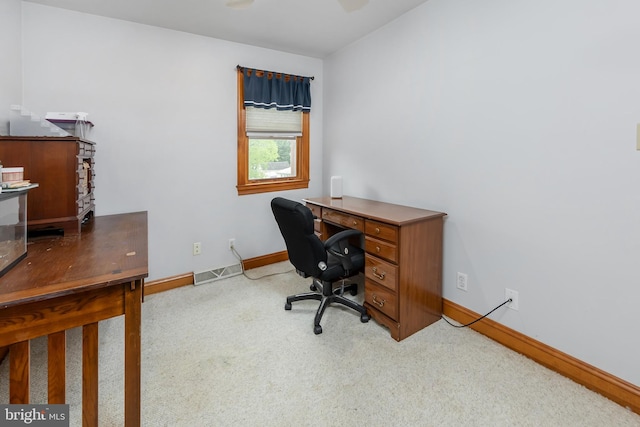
column 334, row 269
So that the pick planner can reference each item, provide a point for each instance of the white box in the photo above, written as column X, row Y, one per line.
column 12, row 174
column 66, row 116
column 336, row 187
column 74, row 123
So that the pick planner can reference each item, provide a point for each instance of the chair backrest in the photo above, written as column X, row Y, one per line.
column 305, row 249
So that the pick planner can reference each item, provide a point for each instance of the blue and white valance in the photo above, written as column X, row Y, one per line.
column 268, row 89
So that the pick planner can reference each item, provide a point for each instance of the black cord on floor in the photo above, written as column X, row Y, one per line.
column 239, row 257
column 478, row 319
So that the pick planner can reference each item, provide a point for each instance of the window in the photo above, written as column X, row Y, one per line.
column 273, row 147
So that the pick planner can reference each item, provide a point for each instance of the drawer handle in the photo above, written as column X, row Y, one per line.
column 379, row 276
column 379, row 303
column 377, row 230
column 378, row 249
column 355, row 222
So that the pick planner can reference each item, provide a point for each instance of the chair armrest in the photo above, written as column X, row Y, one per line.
column 337, row 245
column 343, row 235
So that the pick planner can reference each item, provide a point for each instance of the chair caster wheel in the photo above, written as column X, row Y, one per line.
column 287, row 306
column 354, row 292
column 313, row 287
column 317, row 329
column 364, row 318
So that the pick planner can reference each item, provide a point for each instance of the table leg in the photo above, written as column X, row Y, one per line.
column 90, row 375
column 19, row 373
column 56, row 367
column 132, row 348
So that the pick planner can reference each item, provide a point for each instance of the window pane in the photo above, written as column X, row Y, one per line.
column 272, row 158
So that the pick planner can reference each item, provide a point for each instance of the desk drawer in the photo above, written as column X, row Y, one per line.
column 381, row 298
column 386, row 250
column 85, row 149
column 317, row 225
column 381, row 272
column 315, row 210
column 381, row 230
column 84, row 203
column 345, row 220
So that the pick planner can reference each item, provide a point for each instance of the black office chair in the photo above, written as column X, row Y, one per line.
column 326, row 262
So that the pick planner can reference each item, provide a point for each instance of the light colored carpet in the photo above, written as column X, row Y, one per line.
column 228, row 354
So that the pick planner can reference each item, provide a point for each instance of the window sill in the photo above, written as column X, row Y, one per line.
column 269, row 186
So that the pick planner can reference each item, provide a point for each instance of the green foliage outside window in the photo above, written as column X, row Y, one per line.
column 263, row 152
column 284, row 151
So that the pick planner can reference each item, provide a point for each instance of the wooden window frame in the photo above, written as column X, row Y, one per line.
column 254, row 186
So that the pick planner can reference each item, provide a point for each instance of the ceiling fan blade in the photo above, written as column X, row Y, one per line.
column 351, row 5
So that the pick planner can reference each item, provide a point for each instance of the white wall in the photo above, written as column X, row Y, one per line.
column 518, row 119
column 10, row 60
column 164, row 107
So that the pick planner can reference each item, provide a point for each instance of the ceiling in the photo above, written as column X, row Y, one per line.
column 313, row 28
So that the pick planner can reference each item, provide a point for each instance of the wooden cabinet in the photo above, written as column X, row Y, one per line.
column 403, row 260
column 64, row 169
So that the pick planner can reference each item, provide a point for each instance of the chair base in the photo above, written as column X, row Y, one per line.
column 326, row 296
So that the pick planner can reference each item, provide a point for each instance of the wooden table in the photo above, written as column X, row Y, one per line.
column 71, row 281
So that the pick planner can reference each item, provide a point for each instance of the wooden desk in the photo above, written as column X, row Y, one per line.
column 72, row 281
column 403, row 260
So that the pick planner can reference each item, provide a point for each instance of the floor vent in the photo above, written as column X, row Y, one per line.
column 216, row 274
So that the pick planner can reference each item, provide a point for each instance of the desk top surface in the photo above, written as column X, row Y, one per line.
column 110, row 250
column 381, row 211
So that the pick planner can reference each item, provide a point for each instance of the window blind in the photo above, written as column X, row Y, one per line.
column 273, row 123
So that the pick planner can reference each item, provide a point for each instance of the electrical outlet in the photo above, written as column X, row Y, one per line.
column 461, row 281
column 513, row 295
column 232, row 243
column 197, row 248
